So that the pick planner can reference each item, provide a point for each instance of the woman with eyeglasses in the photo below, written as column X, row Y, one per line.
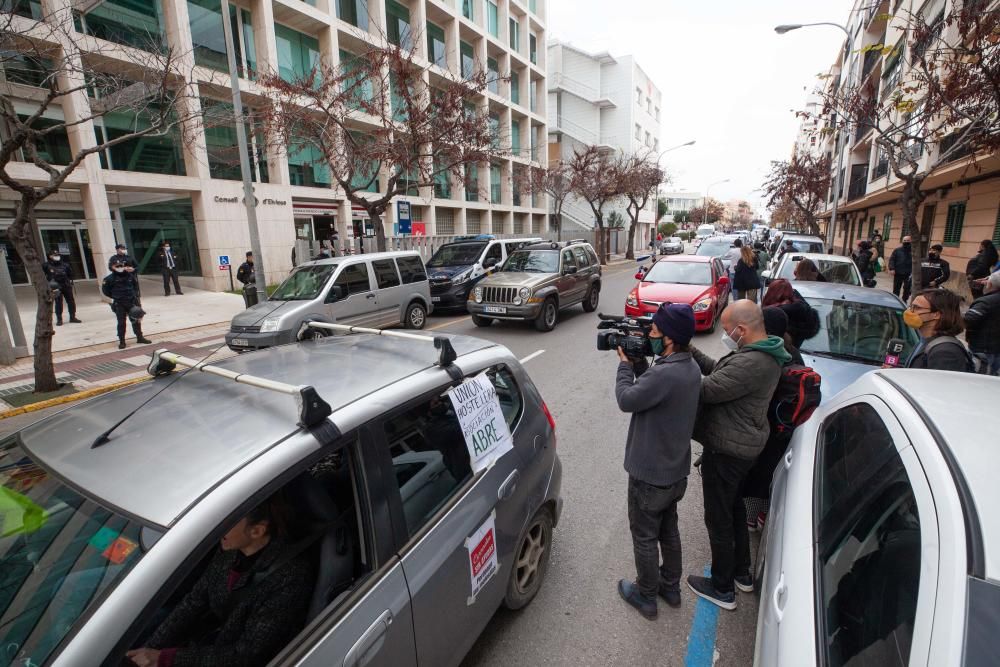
column 937, row 317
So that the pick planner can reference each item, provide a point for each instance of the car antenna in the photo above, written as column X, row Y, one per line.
column 446, row 354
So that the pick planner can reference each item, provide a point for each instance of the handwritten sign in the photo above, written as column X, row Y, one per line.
column 484, row 427
column 482, row 548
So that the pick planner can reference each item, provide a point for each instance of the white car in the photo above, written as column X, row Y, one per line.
column 882, row 546
column 835, row 268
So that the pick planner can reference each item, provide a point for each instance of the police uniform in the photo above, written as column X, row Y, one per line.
column 61, row 273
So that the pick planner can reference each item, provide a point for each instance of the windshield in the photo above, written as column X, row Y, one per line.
column 59, row 552
column 680, row 273
column 457, row 254
column 834, row 271
column 714, row 248
column 304, row 283
column 807, row 246
column 533, row 261
column 858, row 331
column 675, row 239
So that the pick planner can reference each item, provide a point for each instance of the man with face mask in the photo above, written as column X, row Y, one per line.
column 120, row 287
column 982, row 324
column 168, row 268
column 901, row 268
column 732, row 427
column 60, row 273
column 663, row 401
column 934, row 271
column 121, row 255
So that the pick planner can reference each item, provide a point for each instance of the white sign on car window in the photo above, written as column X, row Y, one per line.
column 482, row 547
column 484, row 427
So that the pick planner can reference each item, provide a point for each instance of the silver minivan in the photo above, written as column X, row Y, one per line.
column 375, row 290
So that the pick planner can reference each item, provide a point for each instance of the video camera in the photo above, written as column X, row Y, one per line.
column 630, row 334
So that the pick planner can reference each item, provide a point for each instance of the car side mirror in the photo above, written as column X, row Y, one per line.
column 490, row 263
column 641, row 273
column 766, row 275
column 336, row 294
column 723, row 281
column 569, row 270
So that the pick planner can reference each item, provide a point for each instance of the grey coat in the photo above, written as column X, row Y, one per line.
column 663, row 400
column 735, row 394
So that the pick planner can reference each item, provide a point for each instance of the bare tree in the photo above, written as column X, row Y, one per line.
column 801, row 184
column 144, row 86
column 553, row 181
column 715, row 211
column 595, row 178
column 640, row 177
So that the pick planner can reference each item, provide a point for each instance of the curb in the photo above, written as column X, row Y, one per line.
column 70, row 398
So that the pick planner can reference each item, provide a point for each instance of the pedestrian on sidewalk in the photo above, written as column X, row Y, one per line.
column 877, row 243
column 934, row 270
column 982, row 324
column 980, row 267
column 168, row 267
column 663, row 401
column 937, row 316
column 246, row 275
column 120, row 287
column 732, row 428
column 60, row 277
column 901, row 269
column 865, row 261
column 745, row 280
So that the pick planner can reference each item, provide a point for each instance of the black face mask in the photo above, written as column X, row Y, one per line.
column 933, row 255
column 906, row 245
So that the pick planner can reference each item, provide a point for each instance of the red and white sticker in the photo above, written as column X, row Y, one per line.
column 482, row 547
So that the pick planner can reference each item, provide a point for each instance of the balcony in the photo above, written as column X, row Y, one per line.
column 859, row 182
column 881, row 168
column 559, row 81
column 872, row 58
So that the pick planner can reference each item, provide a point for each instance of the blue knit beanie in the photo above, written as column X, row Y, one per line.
column 675, row 321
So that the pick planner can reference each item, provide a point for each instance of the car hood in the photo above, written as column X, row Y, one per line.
column 835, row 374
column 516, row 279
column 673, row 292
column 254, row 315
column 446, row 272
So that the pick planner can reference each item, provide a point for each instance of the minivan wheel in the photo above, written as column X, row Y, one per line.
column 592, row 300
column 315, row 334
column 416, row 316
column 546, row 320
column 531, row 560
column 481, row 321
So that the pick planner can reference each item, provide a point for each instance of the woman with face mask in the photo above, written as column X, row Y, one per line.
column 936, row 316
column 980, row 266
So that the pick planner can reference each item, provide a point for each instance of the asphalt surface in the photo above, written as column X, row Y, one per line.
column 578, row 617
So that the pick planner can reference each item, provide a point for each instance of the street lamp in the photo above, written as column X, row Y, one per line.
column 704, row 206
column 656, row 213
column 841, row 134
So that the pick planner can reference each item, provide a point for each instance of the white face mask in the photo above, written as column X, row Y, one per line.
column 727, row 340
column 55, row 258
column 119, row 269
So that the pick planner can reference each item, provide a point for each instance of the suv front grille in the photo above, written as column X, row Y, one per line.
column 499, row 294
column 252, row 329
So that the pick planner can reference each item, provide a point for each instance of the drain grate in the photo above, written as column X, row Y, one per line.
column 9, row 391
column 102, row 368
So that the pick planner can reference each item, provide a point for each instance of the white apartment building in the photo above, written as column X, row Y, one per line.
column 682, row 201
column 603, row 100
column 808, row 141
column 159, row 188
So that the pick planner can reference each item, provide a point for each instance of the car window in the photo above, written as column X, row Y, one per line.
column 581, row 257
column 593, row 255
column 495, row 253
column 456, row 254
column 567, row 259
column 841, row 272
column 508, row 393
column 354, row 279
column 868, row 547
column 680, row 273
column 533, row 261
column 858, row 331
column 304, row 283
column 411, row 269
column 512, row 246
column 385, row 273
column 429, row 457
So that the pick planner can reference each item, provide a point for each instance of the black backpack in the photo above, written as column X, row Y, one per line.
column 106, row 284
column 977, row 364
column 795, row 398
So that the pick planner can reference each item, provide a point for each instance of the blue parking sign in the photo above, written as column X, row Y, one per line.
column 223, row 260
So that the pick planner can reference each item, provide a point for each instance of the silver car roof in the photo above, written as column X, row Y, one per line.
column 197, row 430
column 810, row 289
column 343, row 259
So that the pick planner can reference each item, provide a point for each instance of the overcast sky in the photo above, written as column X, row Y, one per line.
column 728, row 80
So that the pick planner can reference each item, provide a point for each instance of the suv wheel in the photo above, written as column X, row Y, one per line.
column 416, row 316
column 546, row 320
column 592, row 300
column 531, row 560
column 481, row 321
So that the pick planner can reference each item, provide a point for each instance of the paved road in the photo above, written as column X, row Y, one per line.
column 578, row 618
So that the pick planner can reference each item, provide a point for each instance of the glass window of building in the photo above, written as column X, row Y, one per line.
column 515, row 88
column 397, row 24
column 467, row 9
column 359, row 86
column 306, row 165
column 31, row 9
column 515, row 34
column 494, row 122
column 26, row 69
column 533, row 96
column 495, row 183
column 364, row 178
column 471, row 182
column 533, row 6
column 298, row 54
column 354, row 12
column 442, row 181
column 208, row 38
column 515, row 136
column 493, row 76
column 53, row 147
column 437, row 51
column 533, row 48
column 492, row 18
column 147, row 226
column 468, row 60
column 222, row 146
column 127, row 22
column 153, row 154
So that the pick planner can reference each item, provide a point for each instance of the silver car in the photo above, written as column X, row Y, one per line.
column 111, row 510
column 385, row 289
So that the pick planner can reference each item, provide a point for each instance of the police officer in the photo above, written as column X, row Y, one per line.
column 120, row 287
column 121, row 254
column 246, row 275
column 60, row 276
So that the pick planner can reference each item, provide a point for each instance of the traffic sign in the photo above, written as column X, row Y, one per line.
column 403, row 216
column 223, row 260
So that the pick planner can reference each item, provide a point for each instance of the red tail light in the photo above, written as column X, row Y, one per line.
column 548, row 415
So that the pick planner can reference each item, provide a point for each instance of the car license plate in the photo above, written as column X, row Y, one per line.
column 240, row 342
column 435, row 299
column 498, row 310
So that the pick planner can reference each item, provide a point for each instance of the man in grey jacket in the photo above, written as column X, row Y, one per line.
column 663, row 400
column 732, row 428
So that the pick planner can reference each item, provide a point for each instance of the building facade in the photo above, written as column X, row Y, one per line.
column 963, row 201
column 190, row 193
column 605, row 101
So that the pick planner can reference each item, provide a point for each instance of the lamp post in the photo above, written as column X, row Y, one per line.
column 656, row 212
column 841, row 133
column 704, row 206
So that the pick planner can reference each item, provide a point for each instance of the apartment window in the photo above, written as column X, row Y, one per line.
column 359, row 85
column 437, row 51
column 893, row 68
column 397, row 24
column 467, row 9
column 638, row 132
column 207, row 37
column 306, row 165
column 533, row 96
column 493, row 76
column 365, row 180
column 515, row 88
column 396, row 99
column 656, row 114
column 471, row 183
column 125, row 22
column 649, row 139
column 222, row 146
column 514, row 28
column 886, row 226
column 533, row 6
column 533, row 48
column 494, row 123
column 29, row 9
column 638, row 96
column 354, row 12
column 298, row 54
column 953, row 226
column 151, row 154
column 442, row 182
column 656, row 144
column 492, row 18
column 515, row 137
column 494, row 183
column 468, row 61
column 649, row 106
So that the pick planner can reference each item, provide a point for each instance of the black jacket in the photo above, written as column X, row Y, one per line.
column 161, row 257
column 122, row 287
column 863, row 260
column 256, row 619
column 982, row 324
column 942, row 357
column 60, row 271
column 745, row 277
column 901, row 261
column 799, row 320
column 245, row 274
column 934, row 272
column 126, row 258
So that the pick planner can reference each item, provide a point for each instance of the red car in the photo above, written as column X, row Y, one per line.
column 700, row 281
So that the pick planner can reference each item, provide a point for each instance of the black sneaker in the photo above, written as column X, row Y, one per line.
column 671, row 597
column 631, row 594
column 143, row 341
column 73, row 320
column 703, row 588
column 58, row 323
column 744, row 583
column 121, row 345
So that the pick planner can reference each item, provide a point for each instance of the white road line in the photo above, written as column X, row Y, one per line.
column 532, row 356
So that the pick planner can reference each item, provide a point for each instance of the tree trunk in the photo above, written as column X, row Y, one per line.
column 910, row 200
column 374, row 216
column 630, row 251
column 25, row 240
column 558, row 220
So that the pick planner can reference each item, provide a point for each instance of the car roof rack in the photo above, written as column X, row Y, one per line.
column 475, row 237
column 312, row 409
column 446, row 355
column 575, row 241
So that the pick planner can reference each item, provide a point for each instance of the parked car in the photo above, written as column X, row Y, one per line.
column 672, row 246
column 455, row 268
column 109, row 519
column 375, row 290
column 855, row 327
column 705, row 231
column 717, row 246
column 880, row 547
column 538, row 281
column 801, row 243
column 835, row 268
column 693, row 279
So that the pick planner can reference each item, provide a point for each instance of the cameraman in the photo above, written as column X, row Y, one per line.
column 663, row 400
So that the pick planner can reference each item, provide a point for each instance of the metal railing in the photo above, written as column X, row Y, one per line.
column 575, row 86
column 571, row 128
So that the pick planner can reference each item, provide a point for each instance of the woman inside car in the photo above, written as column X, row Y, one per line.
column 936, row 316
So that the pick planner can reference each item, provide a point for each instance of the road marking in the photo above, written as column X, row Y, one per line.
column 532, row 356
column 701, row 640
column 449, row 323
